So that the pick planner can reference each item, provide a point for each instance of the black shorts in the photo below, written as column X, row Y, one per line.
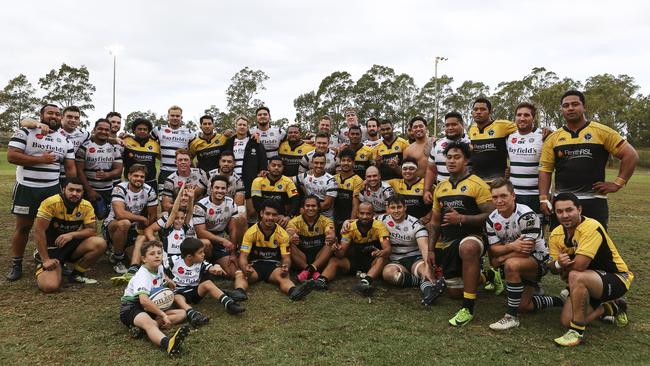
column 613, row 288
column 264, row 269
column 408, row 262
column 360, row 263
column 310, row 253
column 63, row 254
column 595, row 208
column 130, row 237
column 449, row 260
column 129, row 310
column 218, row 252
column 190, row 293
column 26, row 200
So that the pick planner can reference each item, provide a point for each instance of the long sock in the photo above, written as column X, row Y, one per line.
column 225, row 300
column 190, row 313
column 164, row 343
column 487, row 275
column 17, row 261
column 133, row 269
column 468, row 301
column 514, row 291
column 118, row 256
column 78, row 270
column 578, row 327
column 409, row 280
column 425, row 284
column 611, row 309
column 543, row 302
column 367, row 280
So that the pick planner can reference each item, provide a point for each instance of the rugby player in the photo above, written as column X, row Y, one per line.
column 578, row 153
column 66, row 232
column 346, row 203
column 364, row 249
column 133, row 206
column 460, row 206
column 269, row 137
column 389, row 153
column 374, row 138
column 420, row 148
column 363, row 155
column 585, row 256
column 375, row 191
column 142, row 149
column 293, row 150
column 321, row 143
column 184, row 174
column 278, row 187
column 250, row 156
column 351, row 119
column 236, row 189
column 171, row 137
column 208, row 145
column 264, row 254
column 324, row 125
column 411, row 188
column 321, row 184
column 38, row 156
column 516, row 242
column 311, row 235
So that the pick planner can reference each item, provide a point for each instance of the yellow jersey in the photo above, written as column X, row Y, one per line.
column 263, row 247
column 62, row 220
column 311, row 236
column 489, row 151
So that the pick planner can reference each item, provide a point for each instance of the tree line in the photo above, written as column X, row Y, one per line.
column 380, row 92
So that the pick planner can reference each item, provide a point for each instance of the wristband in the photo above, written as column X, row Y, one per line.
column 620, row 182
column 543, row 197
column 557, row 265
column 547, row 203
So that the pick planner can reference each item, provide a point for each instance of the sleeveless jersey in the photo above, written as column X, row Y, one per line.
column 171, row 140
column 523, row 221
column 98, row 158
column 403, row 236
column 524, row 152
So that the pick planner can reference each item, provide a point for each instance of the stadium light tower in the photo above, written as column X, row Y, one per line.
column 114, row 50
column 435, row 79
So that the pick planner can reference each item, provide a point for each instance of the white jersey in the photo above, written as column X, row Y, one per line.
column 524, row 152
column 171, row 237
column 373, row 143
column 437, row 156
column 98, row 158
column 270, row 139
column 143, row 282
column 321, row 187
column 33, row 142
column 76, row 138
column 235, row 184
column 330, row 162
column 239, row 149
column 134, row 202
column 171, row 140
column 343, row 135
column 523, row 221
column 404, row 236
column 184, row 275
column 174, row 182
column 214, row 217
column 377, row 198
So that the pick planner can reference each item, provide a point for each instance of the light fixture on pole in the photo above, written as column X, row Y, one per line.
column 114, row 50
column 435, row 81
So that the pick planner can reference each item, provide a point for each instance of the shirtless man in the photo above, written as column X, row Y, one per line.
column 420, row 147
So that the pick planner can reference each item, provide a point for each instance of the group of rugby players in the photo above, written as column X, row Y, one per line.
column 254, row 203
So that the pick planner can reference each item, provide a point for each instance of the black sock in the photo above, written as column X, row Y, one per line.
column 291, row 290
column 578, row 327
column 424, row 285
column 489, row 275
column 514, row 292
column 225, row 300
column 408, row 280
column 118, row 256
column 164, row 343
column 367, row 280
column 468, row 301
column 611, row 309
column 311, row 269
column 190, row 312
column 322, row 278
column 133, row 269
column 543, row 302
column 17, row 261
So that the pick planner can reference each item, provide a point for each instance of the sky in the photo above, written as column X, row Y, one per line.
column 185, row 52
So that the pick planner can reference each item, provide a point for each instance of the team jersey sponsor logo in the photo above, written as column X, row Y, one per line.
column 211, row 211
column 181, row 270
column 39, row 136
column 155, row 281
column 92, row 150
column 498, row 226
column 514, row 140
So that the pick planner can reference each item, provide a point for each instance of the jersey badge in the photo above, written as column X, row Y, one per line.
column 498, row 226
column 491, row 132
column 91, row 150
column 279, row 186
column 181, row 270
column 211, row 211
column 150, row 147
column 587, row 136
column 463, row 188
column 176, row 236
column 514, row 139
column 39, row 136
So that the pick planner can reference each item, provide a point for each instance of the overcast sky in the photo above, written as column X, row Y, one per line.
column 185, row 52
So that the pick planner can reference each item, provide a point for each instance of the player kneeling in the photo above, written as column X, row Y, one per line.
column 516, row 242
column 312, row 235
column 192, row 278
column 265, row 256
column 138, row 310
column 365, row 247
column 409, row 241
column 65, row 231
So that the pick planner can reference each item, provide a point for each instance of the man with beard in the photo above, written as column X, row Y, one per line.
column 236, row 189
column 278, row 187
column 420, row 148
column 66, row 232
column 437, row 170
column 321, row 142
column 321, row 184
column 142, row 149
column 183, row 175
column 411, row 189
column 39, row 157
column 133, row 209
column 98, row 164
column 365, row 247
column 461, row 205
column 350, row 185
column 578, row 153
column 207, row 146
column 363, row 155
column 390, row 152
column 376, row 191
column 372, row 126
column 311, row 236
column 115, row 119
column 270, row 137
column 324, row 125
column 351, row 119
column 171, row 137
column 293, row 150
column 69, row 128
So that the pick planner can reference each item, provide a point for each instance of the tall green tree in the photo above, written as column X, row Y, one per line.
column 307, row 110
column 425, row 102
column 245, row 85
column 155, row 120
column 335, row 93
column 373, row 95
column 405, row 93
column 463, row 98
column 18, row 101
column 221, row 121
column 69, row 86
column 609, row 98
column 638, row 121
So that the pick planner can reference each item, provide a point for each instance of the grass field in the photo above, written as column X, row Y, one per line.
column 81, row 324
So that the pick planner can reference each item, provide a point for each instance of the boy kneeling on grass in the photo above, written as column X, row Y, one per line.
column 191, row 274
column 137, row 311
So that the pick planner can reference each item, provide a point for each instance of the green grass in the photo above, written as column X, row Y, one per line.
column 81, row 324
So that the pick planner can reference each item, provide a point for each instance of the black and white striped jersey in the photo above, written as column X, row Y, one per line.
column 98, row 158
column 377, row 198
column 134, row 202
column 174, row 182
column 437, row 156
column 524, row 152
column 321, row 187
column 403, row 236
column 330, row 162
column 184, row 275
column 523, row 222
column 235, row 184
column 270, row 139
column 215, row 217
column 171, row 140
column 239, row 150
